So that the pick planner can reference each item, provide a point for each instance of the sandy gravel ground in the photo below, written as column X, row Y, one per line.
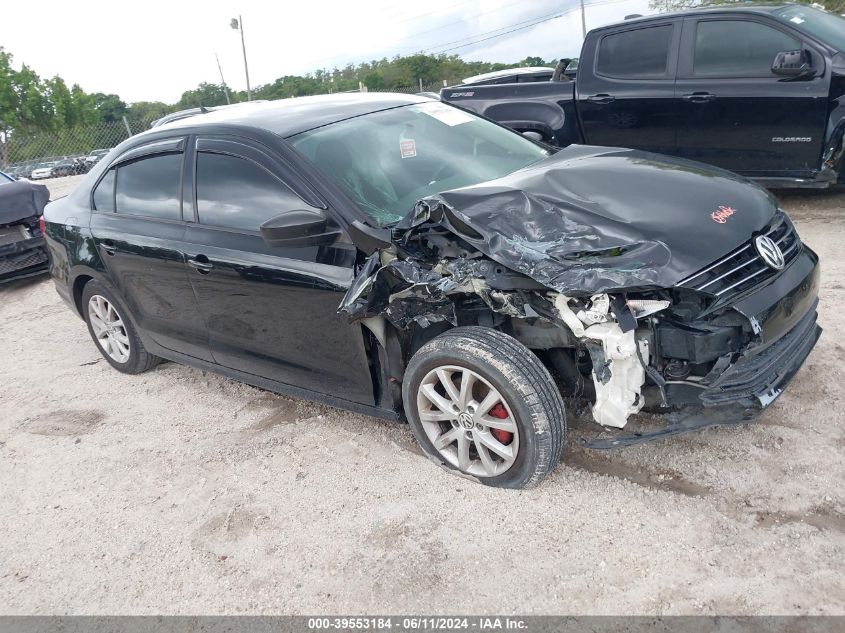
column 179, row 491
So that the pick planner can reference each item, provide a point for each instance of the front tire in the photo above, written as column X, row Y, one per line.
column 113, row 332
column 482, row 404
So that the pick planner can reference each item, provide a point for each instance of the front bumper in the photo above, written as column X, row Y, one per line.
column 782, row 314
column 755, row 380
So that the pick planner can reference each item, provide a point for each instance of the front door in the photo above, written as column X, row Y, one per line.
column 629, row 101
column 271, row 311
column 735, row 113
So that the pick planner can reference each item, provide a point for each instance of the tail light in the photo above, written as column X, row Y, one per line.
column 42, row 225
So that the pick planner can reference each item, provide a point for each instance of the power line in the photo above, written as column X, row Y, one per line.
column 519, row 26
column 492, row 34
column 534, row 20
column 461, row 21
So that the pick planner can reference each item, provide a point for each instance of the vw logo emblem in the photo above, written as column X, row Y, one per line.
column 465, row 420
column 769, row 252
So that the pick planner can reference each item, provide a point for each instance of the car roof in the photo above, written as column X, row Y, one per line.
column 742, row 8
column 288, row 117
column 525, row 70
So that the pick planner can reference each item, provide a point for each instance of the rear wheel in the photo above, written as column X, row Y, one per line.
column 481, row 403
column 113, row 332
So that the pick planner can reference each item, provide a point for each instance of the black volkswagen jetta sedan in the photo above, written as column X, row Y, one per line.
column 397, row 256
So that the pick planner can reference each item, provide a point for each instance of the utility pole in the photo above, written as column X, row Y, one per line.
column 583, row 22
column 238, row 24
column 222, row 81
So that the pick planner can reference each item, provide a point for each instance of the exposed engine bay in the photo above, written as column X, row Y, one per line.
column 623, row 348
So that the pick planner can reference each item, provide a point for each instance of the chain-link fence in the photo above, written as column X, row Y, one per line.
column 75, row 150
column 64, row 151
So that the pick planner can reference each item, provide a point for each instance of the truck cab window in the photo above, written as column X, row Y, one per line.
column 738, row 48
column 637, row 54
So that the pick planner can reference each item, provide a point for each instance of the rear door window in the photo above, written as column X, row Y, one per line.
column 738, row 48
column 638, row 54
column 150, row 187
column 237, row 193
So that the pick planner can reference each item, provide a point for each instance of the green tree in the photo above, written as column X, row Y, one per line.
column 533, row 61
column 205, row 94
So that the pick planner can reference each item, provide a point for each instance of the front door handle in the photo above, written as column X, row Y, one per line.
column 601, row 98
column 109, row 247
column 699, row 97
column 201, row 264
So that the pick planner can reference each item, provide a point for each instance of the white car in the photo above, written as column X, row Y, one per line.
column 42, row 170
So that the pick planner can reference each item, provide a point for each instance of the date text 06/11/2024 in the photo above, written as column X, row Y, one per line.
column 417, row 623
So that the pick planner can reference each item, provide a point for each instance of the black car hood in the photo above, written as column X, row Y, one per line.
column 597, row 219
column 22, row 199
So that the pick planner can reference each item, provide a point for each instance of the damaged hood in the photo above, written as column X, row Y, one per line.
column 22, row 199
column 597, row 219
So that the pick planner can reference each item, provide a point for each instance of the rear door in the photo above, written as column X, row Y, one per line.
column 271, row 311
column 137, row 226
column 734, row 112
column 629, row 98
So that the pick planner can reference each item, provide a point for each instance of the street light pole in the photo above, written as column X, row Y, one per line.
column 583, row 22
column 238, row 23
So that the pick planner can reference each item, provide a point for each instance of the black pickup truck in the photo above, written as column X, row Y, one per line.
column 756, row 90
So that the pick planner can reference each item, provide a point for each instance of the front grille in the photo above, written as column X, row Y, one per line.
column 12, row 234
column 743, row 269
column 12, row 264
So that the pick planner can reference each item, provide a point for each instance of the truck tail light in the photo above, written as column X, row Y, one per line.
column 42, row 225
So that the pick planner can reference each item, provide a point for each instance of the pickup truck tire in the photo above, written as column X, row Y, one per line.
column 482, row 405
column 112, row 331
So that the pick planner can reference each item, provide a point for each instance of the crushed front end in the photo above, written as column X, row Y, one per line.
column 725, row 340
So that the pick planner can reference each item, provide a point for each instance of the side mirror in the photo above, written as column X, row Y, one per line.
column 534, row 136
column 300, row 227
column 792, row 63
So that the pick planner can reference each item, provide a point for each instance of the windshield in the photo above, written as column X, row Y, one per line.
column 43, row 165
column 386, row 161
column 827, row 27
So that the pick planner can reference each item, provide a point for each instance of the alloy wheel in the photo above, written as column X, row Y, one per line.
column 468, row 421
column 108, row 328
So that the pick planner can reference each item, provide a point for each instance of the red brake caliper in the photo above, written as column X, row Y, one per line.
column 500, row 412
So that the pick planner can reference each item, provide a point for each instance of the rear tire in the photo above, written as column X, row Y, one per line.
column 113, row 332
column 482, row 404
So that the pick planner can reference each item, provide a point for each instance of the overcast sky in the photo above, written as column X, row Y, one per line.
column 156, row 50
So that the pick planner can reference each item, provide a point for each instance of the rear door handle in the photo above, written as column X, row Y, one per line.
column 108, row 246
column 201, row 264
column 699, row 97
column 601, row 98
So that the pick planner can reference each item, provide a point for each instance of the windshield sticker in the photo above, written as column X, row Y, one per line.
column 797, row 20
column 408, row 148
column 446, row 114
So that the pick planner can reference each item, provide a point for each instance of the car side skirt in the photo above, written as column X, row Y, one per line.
column 271, row 385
